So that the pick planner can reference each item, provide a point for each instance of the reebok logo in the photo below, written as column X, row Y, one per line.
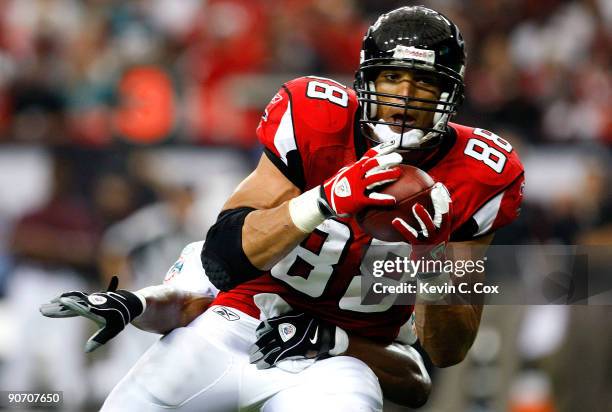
column 226, row 313
column 286, row 331
column 342, row 188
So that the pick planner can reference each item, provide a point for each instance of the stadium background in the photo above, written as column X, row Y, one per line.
column 124, row 126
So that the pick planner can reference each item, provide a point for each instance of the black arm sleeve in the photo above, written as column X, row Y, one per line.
column 223, row 258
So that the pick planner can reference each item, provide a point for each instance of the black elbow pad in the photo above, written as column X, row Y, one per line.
column 223, row 258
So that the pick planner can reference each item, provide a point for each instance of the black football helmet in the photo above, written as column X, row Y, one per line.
column 418, row 39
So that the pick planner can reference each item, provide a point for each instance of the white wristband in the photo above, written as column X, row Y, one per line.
column 304, row 210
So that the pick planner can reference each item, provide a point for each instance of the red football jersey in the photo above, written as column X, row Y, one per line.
column 309, row 131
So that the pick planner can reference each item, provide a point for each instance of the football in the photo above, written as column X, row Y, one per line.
column 413, row 186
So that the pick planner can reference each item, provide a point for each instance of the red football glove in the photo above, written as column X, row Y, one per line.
column 431, row 241
column 344, row 194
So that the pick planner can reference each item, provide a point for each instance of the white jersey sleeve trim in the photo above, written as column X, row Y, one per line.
column 486, row 214
column 284, row 139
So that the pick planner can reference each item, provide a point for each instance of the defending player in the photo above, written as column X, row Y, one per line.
column 186, row 293
column 287, row 238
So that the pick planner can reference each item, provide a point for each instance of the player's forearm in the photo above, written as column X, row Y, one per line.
column 268, row 235
column 249, row 238
column 401, row 373
column 169, row 308
column 447, row 332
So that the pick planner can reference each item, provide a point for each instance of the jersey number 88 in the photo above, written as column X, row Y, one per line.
column 486, row 153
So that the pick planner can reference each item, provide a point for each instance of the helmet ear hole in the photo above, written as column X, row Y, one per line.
column 372, row 107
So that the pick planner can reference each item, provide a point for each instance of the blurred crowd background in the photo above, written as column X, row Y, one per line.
column 125, row 125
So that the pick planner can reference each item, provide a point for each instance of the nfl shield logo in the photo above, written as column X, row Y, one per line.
column 286, row 331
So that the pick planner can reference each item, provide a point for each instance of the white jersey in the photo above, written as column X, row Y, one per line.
column 188, row 274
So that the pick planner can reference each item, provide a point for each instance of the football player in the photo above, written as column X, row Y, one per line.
column 287, row 241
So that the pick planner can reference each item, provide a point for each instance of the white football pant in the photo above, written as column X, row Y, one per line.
column 205, row 367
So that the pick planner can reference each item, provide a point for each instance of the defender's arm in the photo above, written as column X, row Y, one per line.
column 447, row 332
column 400, row 370
column 169, row 307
